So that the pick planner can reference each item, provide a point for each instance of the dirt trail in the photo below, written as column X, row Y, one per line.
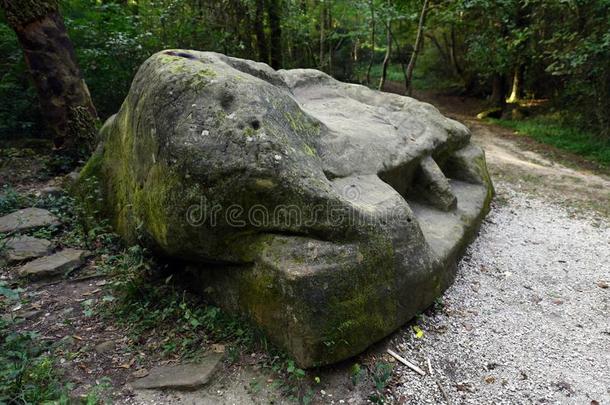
column 536, row 173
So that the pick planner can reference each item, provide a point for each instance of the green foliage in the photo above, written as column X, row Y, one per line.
column 394, row 72
column 357, row 373
column 11, row 200
column 152, row 306
column 28, row 373
column 578, row 52
column 562, row 46
column 19, row 112
column 381, row 374
column 145, row 302
column 551, row 130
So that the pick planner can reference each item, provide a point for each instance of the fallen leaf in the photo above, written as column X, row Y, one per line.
column 91, row 292
column 418, row 332
column 490, row 379
column 603, row 284
column 128, row 364
column 140, row 373
column 464, row 386
column 217, row 348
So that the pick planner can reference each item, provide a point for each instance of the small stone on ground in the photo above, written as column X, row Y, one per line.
column 22, row 248
column 104, row 347
column 56, row 264
column 50, row 191
column 181, row 377
column 27, row 218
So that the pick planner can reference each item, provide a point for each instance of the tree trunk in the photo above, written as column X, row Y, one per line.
column 274, row 13
column 259, row 31
column 368, row 69
column 322, row 39
column 399, row 52
column 452, row 53
column 498, row 93
column 388, row 54
column 64, row 97
column 416, row 48
column 516, row 90
column 329, row 24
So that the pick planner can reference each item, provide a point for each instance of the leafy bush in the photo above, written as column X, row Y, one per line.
column 19, row 111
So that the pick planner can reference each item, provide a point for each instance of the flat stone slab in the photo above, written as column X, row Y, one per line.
column 22, row 248
column 27, row 218
column 181, row 377
column 54, row 265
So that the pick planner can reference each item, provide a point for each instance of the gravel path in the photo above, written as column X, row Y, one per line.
column 528, row 318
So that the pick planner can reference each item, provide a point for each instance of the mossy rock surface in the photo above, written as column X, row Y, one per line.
column 299, row 200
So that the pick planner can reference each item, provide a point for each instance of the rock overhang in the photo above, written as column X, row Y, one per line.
column 336, row 212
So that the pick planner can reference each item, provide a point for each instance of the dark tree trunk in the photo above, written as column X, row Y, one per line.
column 388, row 53
column 274, row 13
column 368, row 69
column 322, row 37
column 259, row 30
column 498, row 93
column 416, row 48
column 329, row 24
column 453, row 54
column 517, row 84
column 64, row 97
column 399, row 52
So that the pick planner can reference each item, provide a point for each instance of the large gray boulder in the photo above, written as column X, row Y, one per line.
column 328, row 213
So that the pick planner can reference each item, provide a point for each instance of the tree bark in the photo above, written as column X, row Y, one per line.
column 399, row 52
column 498, row 93
column 329, row 24
column 322, row 38
column 49, row 55
column 259, row 31
column 274, row 13
column 368, row 69
column 452, row 54
column 517, row 84
column 416, row 48
column 388, row 54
